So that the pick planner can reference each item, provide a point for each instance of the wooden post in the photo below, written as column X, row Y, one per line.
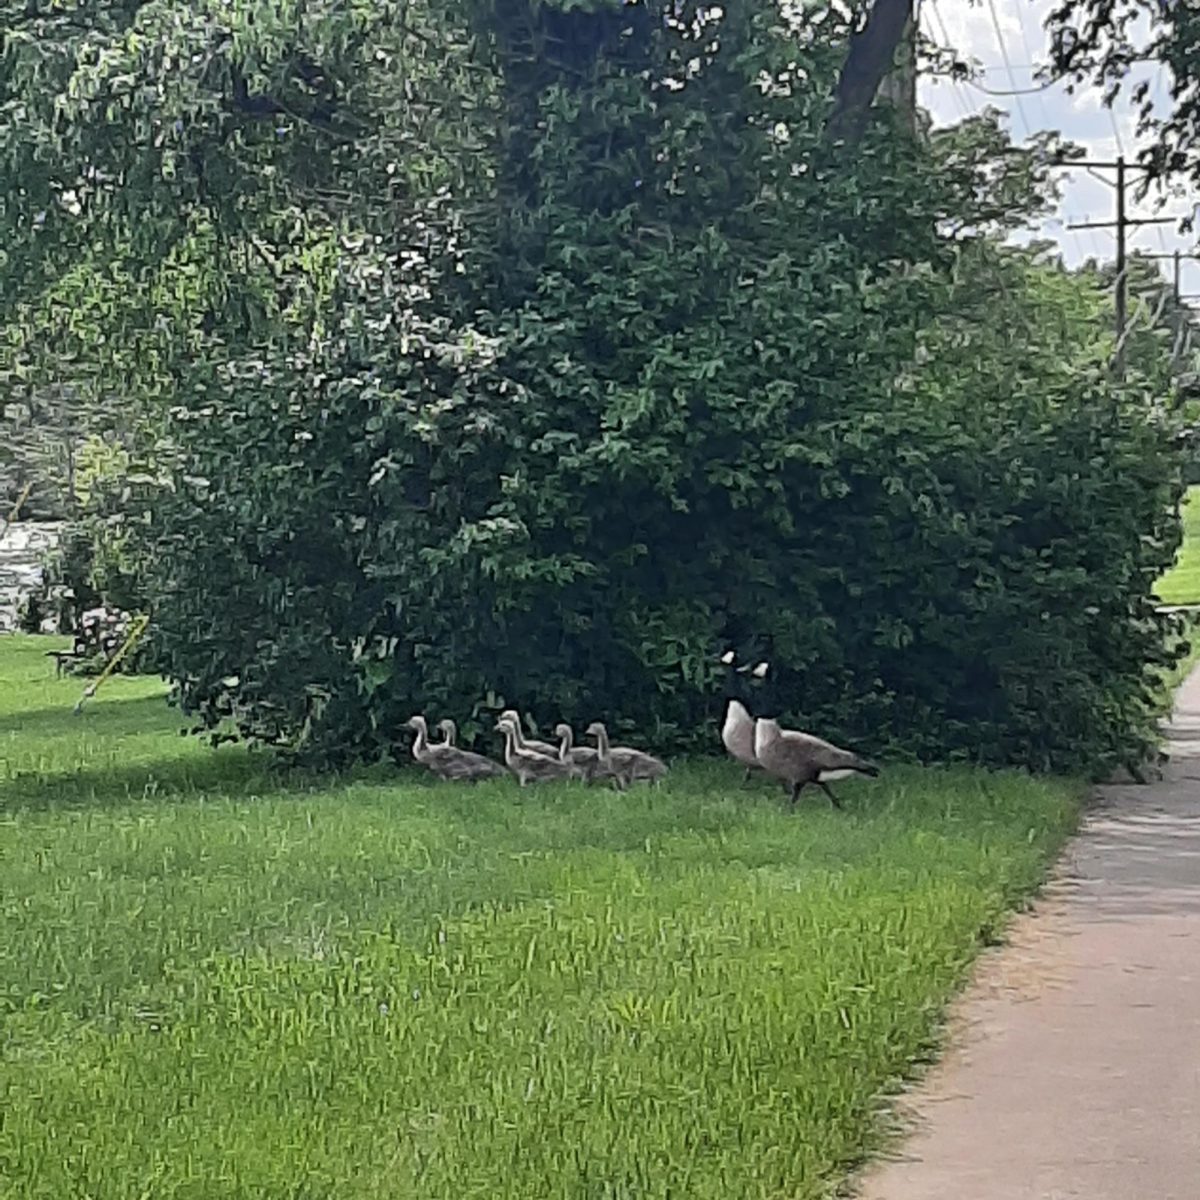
column 1122, row 293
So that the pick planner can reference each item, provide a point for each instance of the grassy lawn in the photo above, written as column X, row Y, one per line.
column 219, row 983
column 1181, row 584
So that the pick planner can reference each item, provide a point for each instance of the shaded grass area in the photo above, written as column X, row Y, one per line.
column 1181, row 584
column 218, row 981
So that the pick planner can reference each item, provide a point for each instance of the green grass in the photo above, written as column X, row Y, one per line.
column 216, row 982
column 1181, row 584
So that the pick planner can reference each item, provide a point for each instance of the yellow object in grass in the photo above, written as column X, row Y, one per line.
column 139, row 627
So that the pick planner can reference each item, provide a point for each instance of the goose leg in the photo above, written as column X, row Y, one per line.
column 797, row 788
column 829, row 792
column 746, row 777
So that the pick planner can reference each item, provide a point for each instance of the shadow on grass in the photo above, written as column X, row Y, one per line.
column 132, row 715
column 232, row 772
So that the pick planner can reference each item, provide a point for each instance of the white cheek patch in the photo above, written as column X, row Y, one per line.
column 833, row 776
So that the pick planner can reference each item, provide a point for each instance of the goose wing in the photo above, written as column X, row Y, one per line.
column 541, row 766
column 464, row 764
column 823, row 755
column 636, row 764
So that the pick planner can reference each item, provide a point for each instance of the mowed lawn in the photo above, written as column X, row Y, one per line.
column 219, row 983
column 1181, row 584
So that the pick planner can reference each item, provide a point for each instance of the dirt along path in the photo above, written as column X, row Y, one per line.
column 1073, row 1061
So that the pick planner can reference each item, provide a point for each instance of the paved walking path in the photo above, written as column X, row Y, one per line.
column 1073, row 1068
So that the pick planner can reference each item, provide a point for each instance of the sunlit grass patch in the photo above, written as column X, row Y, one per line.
column 1181, row 584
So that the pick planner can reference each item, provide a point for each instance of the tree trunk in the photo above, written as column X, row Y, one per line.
column 871, row 57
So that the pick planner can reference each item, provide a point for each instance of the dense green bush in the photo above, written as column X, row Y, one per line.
column 614, row 363
column 961, row 571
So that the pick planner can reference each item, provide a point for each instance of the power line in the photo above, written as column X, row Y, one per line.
column 1162, row 237
column 1025, row 40
column 1112, row 119
column 1029, row 91
column 1094, row 237
column 1049, row 121
column 1120, row 144
column 1029, row 66
column 936, row 16
column 1008, row 65
column 1086, row 230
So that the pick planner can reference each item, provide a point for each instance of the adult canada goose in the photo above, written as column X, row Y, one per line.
column 524, row 743
column 624, row 763
column 445, row 759
column 737, row 733
column 758, row 670
column 800, row 759
column 528, row 764
column 584, row 759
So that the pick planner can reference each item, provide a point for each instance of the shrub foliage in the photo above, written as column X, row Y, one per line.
column 529, row 353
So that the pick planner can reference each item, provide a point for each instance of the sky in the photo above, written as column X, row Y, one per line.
column 1008, row 39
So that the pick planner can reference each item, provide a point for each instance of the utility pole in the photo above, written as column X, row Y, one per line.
column 1185, row 314
column 1178, row 258
column 1122, row 296
column 1122, row 225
